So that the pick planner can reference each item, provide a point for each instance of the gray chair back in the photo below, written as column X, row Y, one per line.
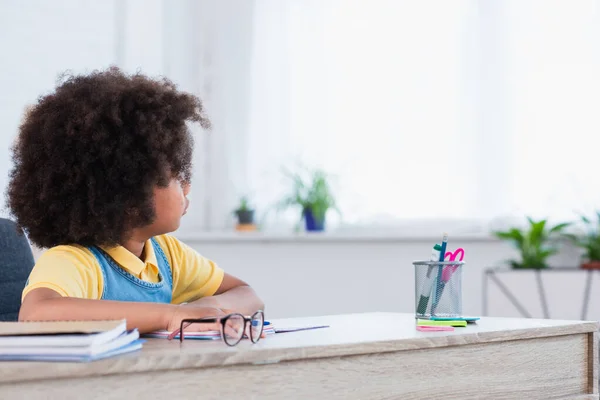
column 16, row 263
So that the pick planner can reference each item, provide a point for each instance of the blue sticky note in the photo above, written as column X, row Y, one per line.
column 468, row 319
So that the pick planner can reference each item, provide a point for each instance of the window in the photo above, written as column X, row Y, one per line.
column 423, row 111
column 373, row 93
column 429, row 110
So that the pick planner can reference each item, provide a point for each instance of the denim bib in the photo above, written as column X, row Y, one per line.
column 120, row 285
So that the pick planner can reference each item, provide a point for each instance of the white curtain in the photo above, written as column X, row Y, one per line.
column 465, row 110
column 553, row 74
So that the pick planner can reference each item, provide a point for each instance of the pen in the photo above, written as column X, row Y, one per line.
column 445, row 278
column 436, row 287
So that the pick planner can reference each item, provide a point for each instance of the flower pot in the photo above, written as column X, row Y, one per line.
column 591, row 265
column 312, row 224
column 245, row 217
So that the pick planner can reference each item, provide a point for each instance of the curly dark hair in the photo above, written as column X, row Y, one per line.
column 89, row 155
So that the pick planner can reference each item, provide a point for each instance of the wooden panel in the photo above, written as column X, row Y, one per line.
column 547, row 368
column 593, row 362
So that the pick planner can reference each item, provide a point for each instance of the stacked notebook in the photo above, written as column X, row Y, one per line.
column 78, row 341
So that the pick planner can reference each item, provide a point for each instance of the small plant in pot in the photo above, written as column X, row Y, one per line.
column 244, row 213
column 535, row 244
column 313, row 196
column 589, row 242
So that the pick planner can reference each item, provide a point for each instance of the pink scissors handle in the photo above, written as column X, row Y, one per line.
column 449, row 270
column 454, row 255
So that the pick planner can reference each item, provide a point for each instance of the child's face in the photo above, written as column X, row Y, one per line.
column 171, row 204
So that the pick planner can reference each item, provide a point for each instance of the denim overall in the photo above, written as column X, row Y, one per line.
column 120, row 285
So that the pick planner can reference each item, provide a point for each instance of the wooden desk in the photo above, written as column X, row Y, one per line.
column 361, row 356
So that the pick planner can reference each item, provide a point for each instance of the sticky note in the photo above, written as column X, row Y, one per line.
column 429, row 322
column 468, row 319
column 434, row 328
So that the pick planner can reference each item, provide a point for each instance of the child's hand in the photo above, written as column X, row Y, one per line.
column 186, row 311
column 193, row 311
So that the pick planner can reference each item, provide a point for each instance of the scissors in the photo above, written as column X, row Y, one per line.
column 447, row 273
column 449, row 270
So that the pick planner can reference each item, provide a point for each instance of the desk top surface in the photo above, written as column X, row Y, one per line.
column 349, row 334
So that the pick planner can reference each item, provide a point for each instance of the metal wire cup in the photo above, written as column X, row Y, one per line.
column 438, row 290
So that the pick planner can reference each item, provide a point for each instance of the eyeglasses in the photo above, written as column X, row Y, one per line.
column 232, row 326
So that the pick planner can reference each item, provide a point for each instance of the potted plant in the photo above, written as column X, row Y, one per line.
column 535, row 244
column 589, row 242
column 244, row 213
column 313, row 196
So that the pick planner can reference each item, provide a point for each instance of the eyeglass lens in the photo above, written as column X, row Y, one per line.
column 256, row 326
column 233, row 329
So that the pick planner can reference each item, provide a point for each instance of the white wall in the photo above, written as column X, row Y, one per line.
column 300, row 277
column 313, row 275
column 38, row 41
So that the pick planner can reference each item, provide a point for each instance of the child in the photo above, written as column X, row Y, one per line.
column 101, row 173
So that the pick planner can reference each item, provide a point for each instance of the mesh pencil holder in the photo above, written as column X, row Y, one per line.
column 438, row 288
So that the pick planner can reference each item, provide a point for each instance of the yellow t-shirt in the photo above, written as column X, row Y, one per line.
column 74, row 271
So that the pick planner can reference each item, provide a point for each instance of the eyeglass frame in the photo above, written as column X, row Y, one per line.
column 223, row 321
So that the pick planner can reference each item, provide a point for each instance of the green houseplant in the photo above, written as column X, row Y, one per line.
column 589, row 242
column 244, row 213
column 312, row 195
column 535, row 244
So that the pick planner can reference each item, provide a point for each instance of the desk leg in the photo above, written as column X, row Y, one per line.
column 484, row 294
column 593, row 362
column 542, row 293
column 586, row 295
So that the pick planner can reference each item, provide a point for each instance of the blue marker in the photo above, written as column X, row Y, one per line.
column 437, row 286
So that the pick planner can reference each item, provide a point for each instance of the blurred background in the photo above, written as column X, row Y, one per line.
column 349, row 135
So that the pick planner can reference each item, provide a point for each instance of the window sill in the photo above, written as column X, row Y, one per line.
column 324, row 237
column 405, row 231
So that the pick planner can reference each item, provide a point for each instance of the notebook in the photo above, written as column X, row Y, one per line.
column 66, row 340
column 56, row 327
column 131, row 347
column 60, row 333
column 204, row 335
